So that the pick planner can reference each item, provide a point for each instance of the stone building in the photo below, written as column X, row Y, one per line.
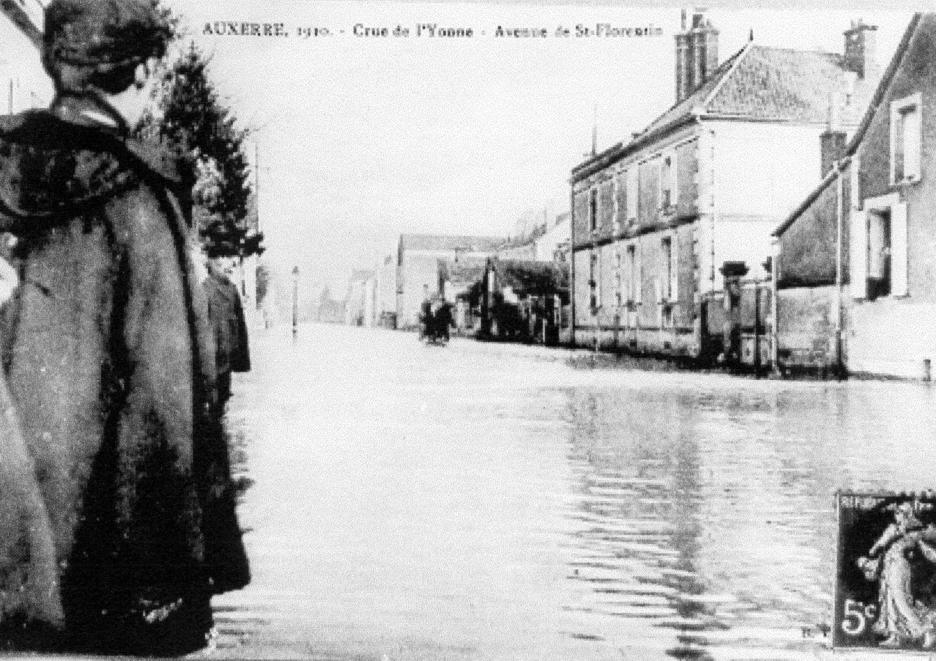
column 856, row 263
column 655, row 219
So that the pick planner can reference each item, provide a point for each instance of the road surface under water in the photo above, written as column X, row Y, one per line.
column 490, row 501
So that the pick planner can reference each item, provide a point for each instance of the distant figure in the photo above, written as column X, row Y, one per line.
column 131, row 514
column 442, row 319
column 425, row 313
column 226, row 315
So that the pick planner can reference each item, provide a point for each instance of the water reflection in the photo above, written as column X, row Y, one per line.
column 492, row 502
column 706, row 509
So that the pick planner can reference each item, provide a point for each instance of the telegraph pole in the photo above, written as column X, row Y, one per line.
column 295, row 302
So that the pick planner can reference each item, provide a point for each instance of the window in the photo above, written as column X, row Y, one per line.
column 593, row 209
column 631, row 192
column 594, row 281
column 633, row 275
column 879, row 249
column 879, row 254
column 905, row 139
column 668, row 182
column 666, row 268
column 618, row 294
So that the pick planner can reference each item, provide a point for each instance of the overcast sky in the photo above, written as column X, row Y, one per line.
column 361, row 138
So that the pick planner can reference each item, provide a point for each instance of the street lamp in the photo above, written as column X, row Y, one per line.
column 295, row 301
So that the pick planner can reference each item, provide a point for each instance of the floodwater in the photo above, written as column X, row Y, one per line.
column 486, row 501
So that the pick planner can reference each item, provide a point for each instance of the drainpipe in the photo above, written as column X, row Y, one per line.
column 838, row 267
column 774, row 306
column 571, row 266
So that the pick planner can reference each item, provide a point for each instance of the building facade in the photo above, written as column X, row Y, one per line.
column 655, row 220
column 856, row 264
column 421, row 265
column 359, row 300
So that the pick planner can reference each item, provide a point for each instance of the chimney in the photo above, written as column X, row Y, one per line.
column 696, row 53
column 832, row 141
column 860, row 47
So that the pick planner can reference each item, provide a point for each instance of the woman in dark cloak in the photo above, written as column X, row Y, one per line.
column 116, row 504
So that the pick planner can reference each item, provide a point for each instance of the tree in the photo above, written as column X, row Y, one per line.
column 191, row 120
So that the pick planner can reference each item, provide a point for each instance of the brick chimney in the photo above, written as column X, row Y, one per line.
column 696, row 53
column 860, row 49
column 832, row 141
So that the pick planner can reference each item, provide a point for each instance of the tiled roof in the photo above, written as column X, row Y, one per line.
column 794, row 85
column 443, row 242
column 761, row 83
column 696, row 99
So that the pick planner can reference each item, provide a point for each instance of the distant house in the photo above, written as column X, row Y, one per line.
column 655, row 219
column 359, row 301
column 385, row 312
column 418, row 267
column 856, row 264
column 553, row 244
column 522, row 300
column 547, row 242
column 457, row 280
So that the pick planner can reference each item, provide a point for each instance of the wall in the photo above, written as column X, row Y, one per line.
column 916, row 74
column 763, row 169
column 418, row 269
column 806, row 327
column 894, row 335
column 556, row 236
column 891, row 337
column 386, row 288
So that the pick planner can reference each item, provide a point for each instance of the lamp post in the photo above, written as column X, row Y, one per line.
column 295, row 302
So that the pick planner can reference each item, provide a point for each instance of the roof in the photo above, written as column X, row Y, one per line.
column 759, row 83
column 918, row 21
column 443, row 242
column 464, row 270
column 528, row 277
column 831, row 176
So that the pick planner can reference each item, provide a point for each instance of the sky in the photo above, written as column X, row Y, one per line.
column 360, row 138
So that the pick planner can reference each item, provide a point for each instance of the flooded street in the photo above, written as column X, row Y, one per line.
column 486, row 501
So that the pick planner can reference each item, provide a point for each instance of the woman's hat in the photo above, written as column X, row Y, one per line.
column 113, row 32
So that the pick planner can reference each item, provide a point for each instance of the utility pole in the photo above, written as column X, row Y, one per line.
column 295, row 302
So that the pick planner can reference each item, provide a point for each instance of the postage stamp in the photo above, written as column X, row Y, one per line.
column 885, row 590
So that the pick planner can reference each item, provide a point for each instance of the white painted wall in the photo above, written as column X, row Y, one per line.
column 546, row 245
column 762, row 168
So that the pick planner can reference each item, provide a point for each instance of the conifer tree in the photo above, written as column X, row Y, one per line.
column 191, row 120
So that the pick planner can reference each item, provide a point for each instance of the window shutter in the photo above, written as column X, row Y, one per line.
column 858, row 254
column 638, row 286
column 899, row 261
column 631, row 194
column 674, row 269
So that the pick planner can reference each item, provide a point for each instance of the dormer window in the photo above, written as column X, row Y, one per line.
column 905, row 139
